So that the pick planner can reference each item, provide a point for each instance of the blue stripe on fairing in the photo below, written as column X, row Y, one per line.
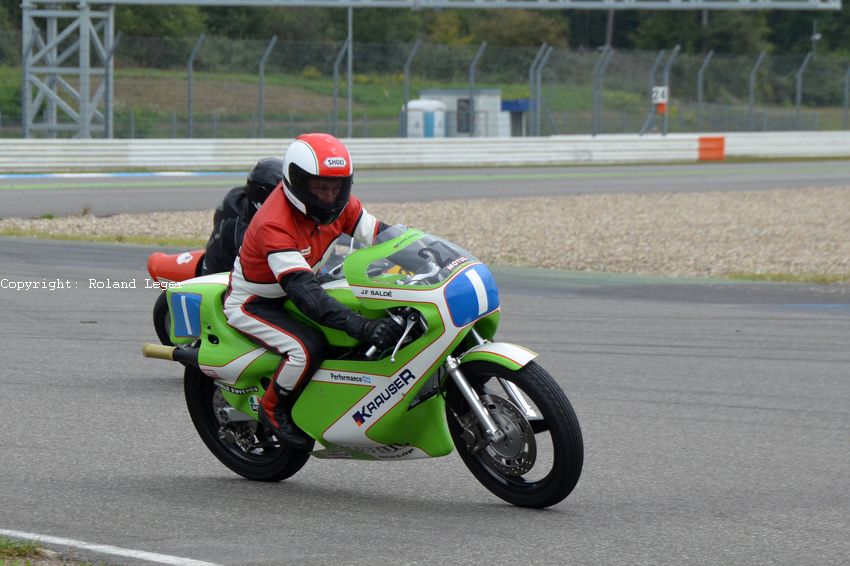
column 186, row 315
column 465, row 303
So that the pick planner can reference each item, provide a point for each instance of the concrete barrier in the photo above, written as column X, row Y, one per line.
column 71, row 155
column 788, row 144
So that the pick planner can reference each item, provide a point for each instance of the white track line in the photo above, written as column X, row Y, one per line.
column 107, row 549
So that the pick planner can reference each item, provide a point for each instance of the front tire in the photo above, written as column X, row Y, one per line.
column 243, row 446
column 539, row 462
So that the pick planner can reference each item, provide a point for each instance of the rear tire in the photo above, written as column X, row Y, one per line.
column 526, row 469
column 162, row 319
column 243, row 446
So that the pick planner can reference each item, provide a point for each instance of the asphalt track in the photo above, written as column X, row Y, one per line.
column 715, row 419
column 715, row 415
column 32, row 196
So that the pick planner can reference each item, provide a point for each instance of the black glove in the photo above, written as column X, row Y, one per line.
column 382, row 332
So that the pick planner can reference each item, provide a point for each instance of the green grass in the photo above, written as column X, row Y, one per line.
column 17, row 549
column 381, row 95
column 815, row 278
column 20, row 553
column 193, row 243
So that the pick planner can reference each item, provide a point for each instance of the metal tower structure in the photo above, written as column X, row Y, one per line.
column 67, row 68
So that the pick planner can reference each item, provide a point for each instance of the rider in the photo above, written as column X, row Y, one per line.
column 235, row 212
column 284, row 246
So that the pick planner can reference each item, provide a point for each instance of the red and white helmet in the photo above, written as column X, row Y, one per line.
column 317, row 176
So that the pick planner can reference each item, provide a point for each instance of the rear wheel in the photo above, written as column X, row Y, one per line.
column 539, row 461
column 242, row 445
column 162, row 319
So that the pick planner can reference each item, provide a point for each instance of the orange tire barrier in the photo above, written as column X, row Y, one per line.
column 712, row 148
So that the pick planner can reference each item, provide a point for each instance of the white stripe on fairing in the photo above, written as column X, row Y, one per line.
column 480, row 291
column 186, row 316
column 234, row 368
column 106, row 549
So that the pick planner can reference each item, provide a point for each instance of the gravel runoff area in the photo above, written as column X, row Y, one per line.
column 801, row 232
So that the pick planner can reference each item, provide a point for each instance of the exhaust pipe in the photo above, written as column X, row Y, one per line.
column 171, row 353
column 158, row 351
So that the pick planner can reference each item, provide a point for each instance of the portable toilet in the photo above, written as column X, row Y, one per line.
column 426, row 119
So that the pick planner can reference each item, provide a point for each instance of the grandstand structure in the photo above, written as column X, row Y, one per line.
column 68, row 46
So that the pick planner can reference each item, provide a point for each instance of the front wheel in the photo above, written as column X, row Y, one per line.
column 539, row 461
column 241, row 445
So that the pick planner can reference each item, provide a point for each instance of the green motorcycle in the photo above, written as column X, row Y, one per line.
column 446, row 384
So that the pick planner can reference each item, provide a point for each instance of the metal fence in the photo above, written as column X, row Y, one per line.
column 211, row 87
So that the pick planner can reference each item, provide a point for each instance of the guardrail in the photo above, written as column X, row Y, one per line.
column 72, row 155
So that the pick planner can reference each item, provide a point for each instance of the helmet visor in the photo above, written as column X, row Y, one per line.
column 324, row 197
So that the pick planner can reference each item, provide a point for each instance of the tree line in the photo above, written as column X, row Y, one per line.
column 696, row 31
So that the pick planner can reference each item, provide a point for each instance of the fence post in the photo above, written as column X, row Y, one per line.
column 190, row 67
column 338, row 60
column 539, row 87
column 798, row 88
column 261, row 124
column 407, row 65
column 846, row 98
column 669, row 64
column 52, row 118
column 598, row 80
column 753, row 72
column 650, row 118
column 109, row 88
column 472, row 66
column 350, row 72
column 26, row 88
column 700, row 83
column 532, row 74
column 84, row 50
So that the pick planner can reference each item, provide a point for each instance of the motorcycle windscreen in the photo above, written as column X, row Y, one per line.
column 428, row 260
column 471, row 295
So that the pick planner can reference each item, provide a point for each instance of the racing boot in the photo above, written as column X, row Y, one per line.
column 275, row 415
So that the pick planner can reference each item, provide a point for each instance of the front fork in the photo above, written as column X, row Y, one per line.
column 491, row 431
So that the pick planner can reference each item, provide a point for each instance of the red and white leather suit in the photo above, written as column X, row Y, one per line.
column 281, row 252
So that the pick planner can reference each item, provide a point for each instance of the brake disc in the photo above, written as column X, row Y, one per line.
column 515, row 454
column 239, row 435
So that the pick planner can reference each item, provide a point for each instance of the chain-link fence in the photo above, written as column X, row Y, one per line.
column 160, row 91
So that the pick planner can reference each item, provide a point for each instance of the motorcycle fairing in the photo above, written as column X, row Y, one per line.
column 378, row 394
column 380, row 413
